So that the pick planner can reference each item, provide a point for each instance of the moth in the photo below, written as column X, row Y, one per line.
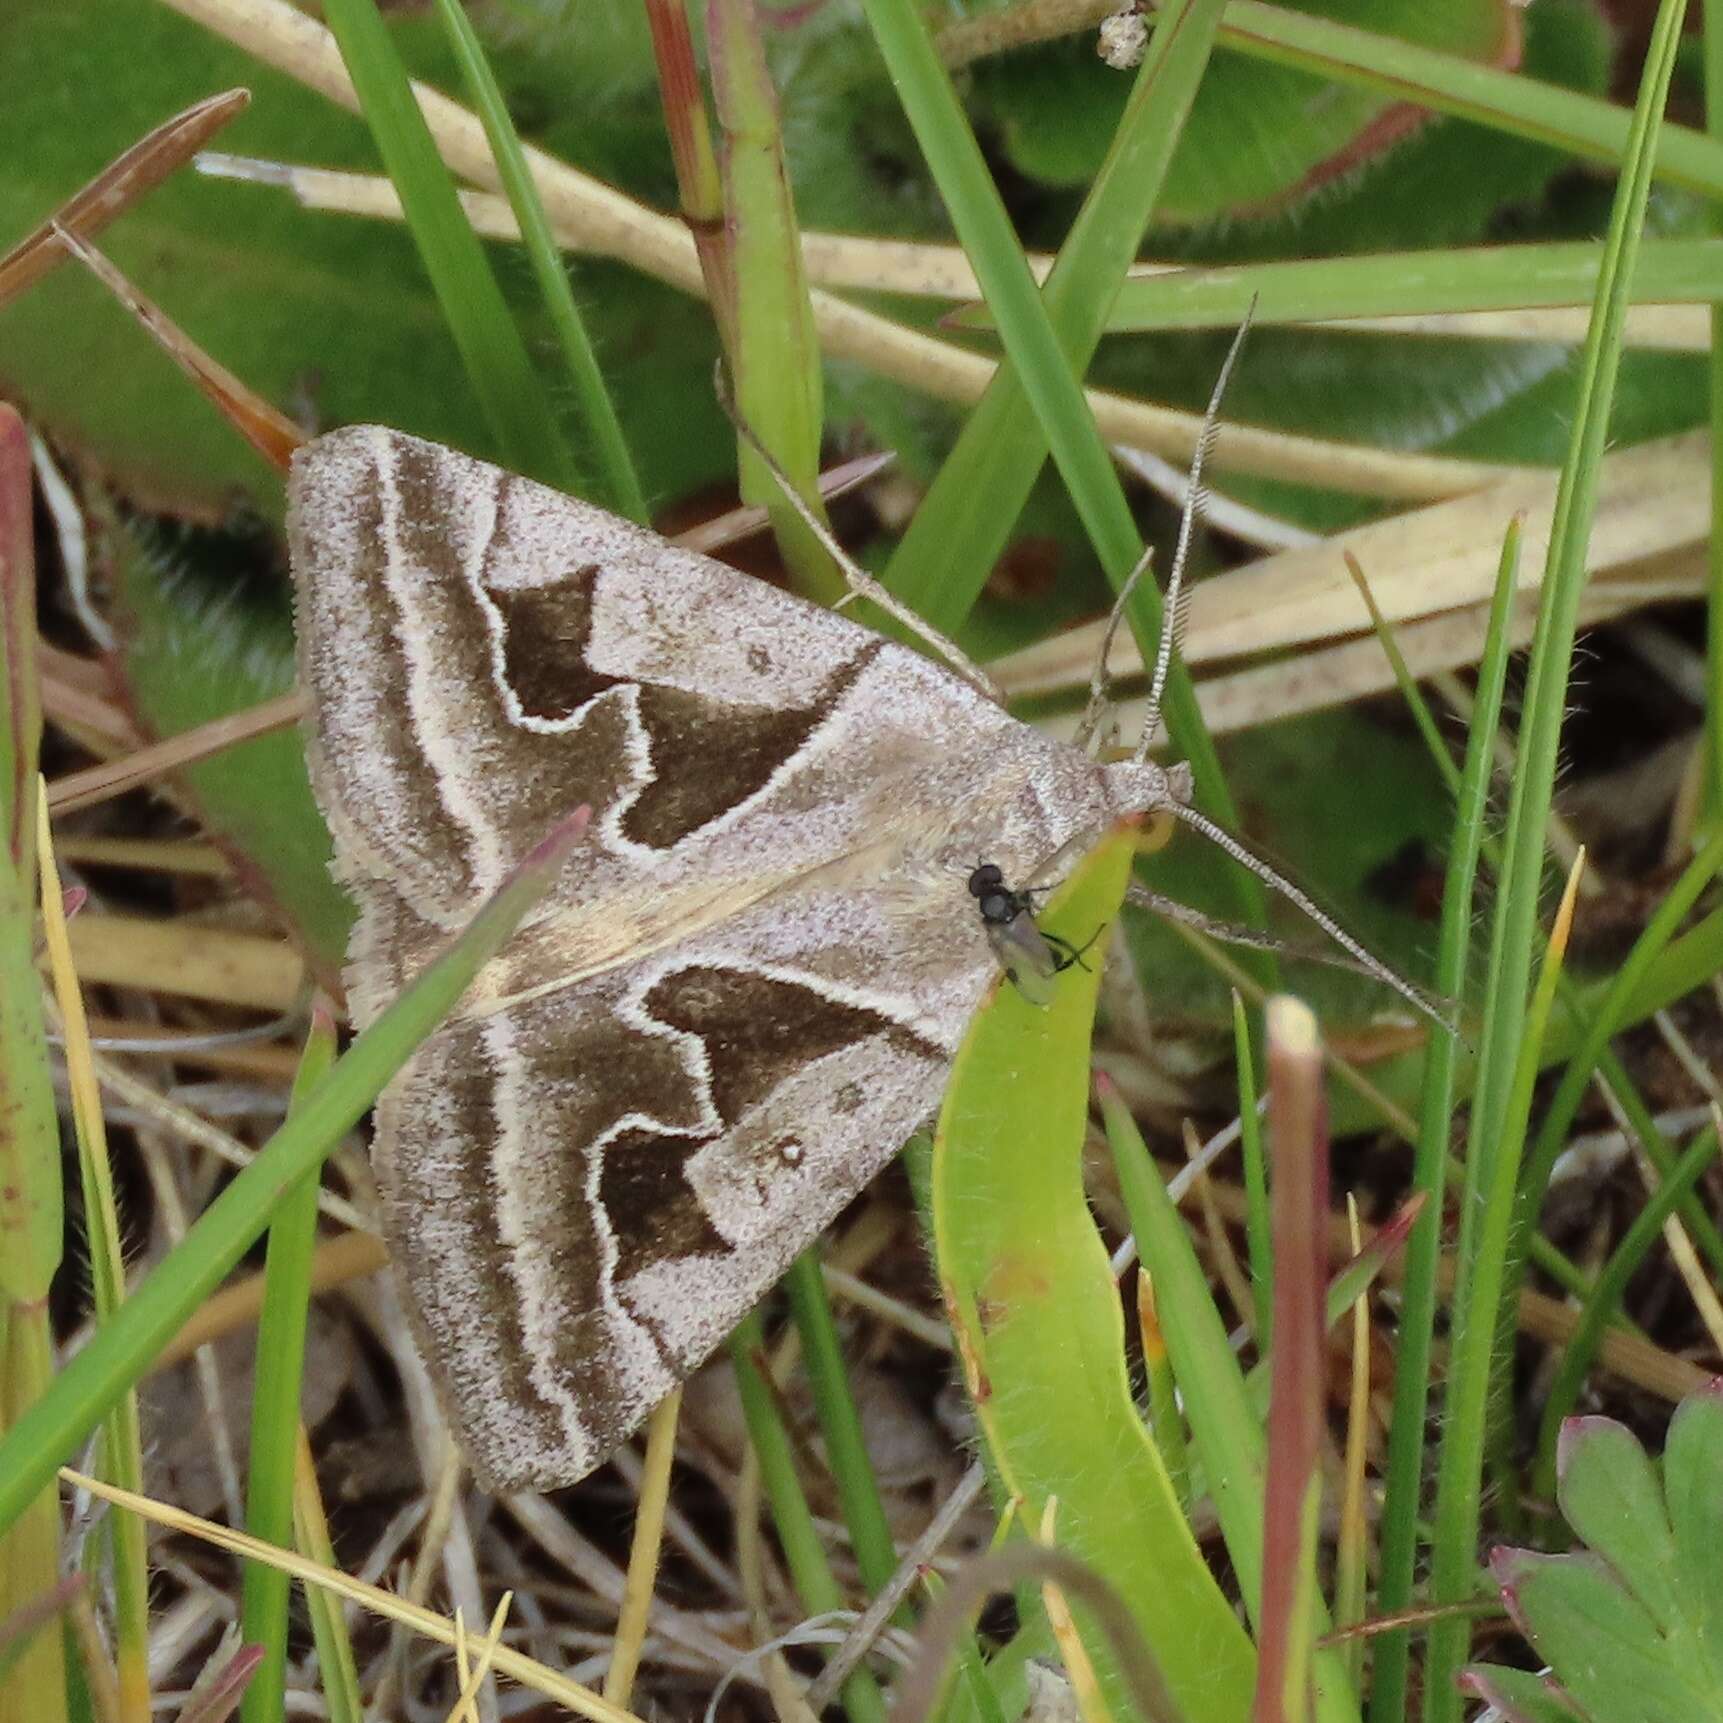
column 743, row 994
column 745, row 990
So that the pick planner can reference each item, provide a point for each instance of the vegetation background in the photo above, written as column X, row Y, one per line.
column 1479, row 285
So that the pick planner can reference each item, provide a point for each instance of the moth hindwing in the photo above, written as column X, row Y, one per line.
column 737, row 1003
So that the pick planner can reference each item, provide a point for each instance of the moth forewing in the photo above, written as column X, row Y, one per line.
column 591, row 1173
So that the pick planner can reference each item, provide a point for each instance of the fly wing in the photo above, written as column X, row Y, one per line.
column 1030, row 963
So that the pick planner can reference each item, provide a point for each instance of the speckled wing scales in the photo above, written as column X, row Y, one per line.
column 743, row 994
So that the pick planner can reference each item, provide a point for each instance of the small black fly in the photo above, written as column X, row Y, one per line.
column 1030, row 956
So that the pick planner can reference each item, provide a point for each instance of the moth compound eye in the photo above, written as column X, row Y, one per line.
column 989, row 877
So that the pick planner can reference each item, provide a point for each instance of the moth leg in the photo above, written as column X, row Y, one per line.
column 1236, row 933
column 1356, row 955
column 861, row 583
column 1227, row 932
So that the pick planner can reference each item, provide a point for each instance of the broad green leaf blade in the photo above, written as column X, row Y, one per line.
column 328, row 317
column 1259, row 134
column 1609, row 1495
column 1693, row 1489
column 1518, row 1694
column 1603, row 1646
column 1036, row 1316
column 1598, row 129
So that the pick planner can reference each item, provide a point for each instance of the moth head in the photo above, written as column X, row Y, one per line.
column 1142, row 786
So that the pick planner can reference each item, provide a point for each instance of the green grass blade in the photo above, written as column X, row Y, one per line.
column 1525, row 107
column 275, row 1402
column 1446, row 84
column 1224, row 1406
column 1712, row 49
column 31, row 1199
column 508, row 385
column 1035, row 1313
column 1399, row 1529
column 774, row 347
column 805, row 1555
column 1535, row 1246
column 1496, row 1138
column 621, row 482
column 1603, row 1021
column 337, row 1667
column 1403, row 284
column 30, row 1542
column 1166, row 1416
column 1257, row 1228
column 1050, row 334
column 1695, row 1215
column 46, row 1435
column 1689, row 962
column 834, row 1404
column 32, row 1219
column 1047, row 345
column 1606, row 1296
column 121, row 1460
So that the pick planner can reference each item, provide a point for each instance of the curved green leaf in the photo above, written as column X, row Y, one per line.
column 1038, row 1324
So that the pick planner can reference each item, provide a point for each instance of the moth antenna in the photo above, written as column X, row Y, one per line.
column 861, row 583
column 1228, row 932
column 1370, row 965
column 1196, row 505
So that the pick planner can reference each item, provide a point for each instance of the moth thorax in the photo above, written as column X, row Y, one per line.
column 1139, row 786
